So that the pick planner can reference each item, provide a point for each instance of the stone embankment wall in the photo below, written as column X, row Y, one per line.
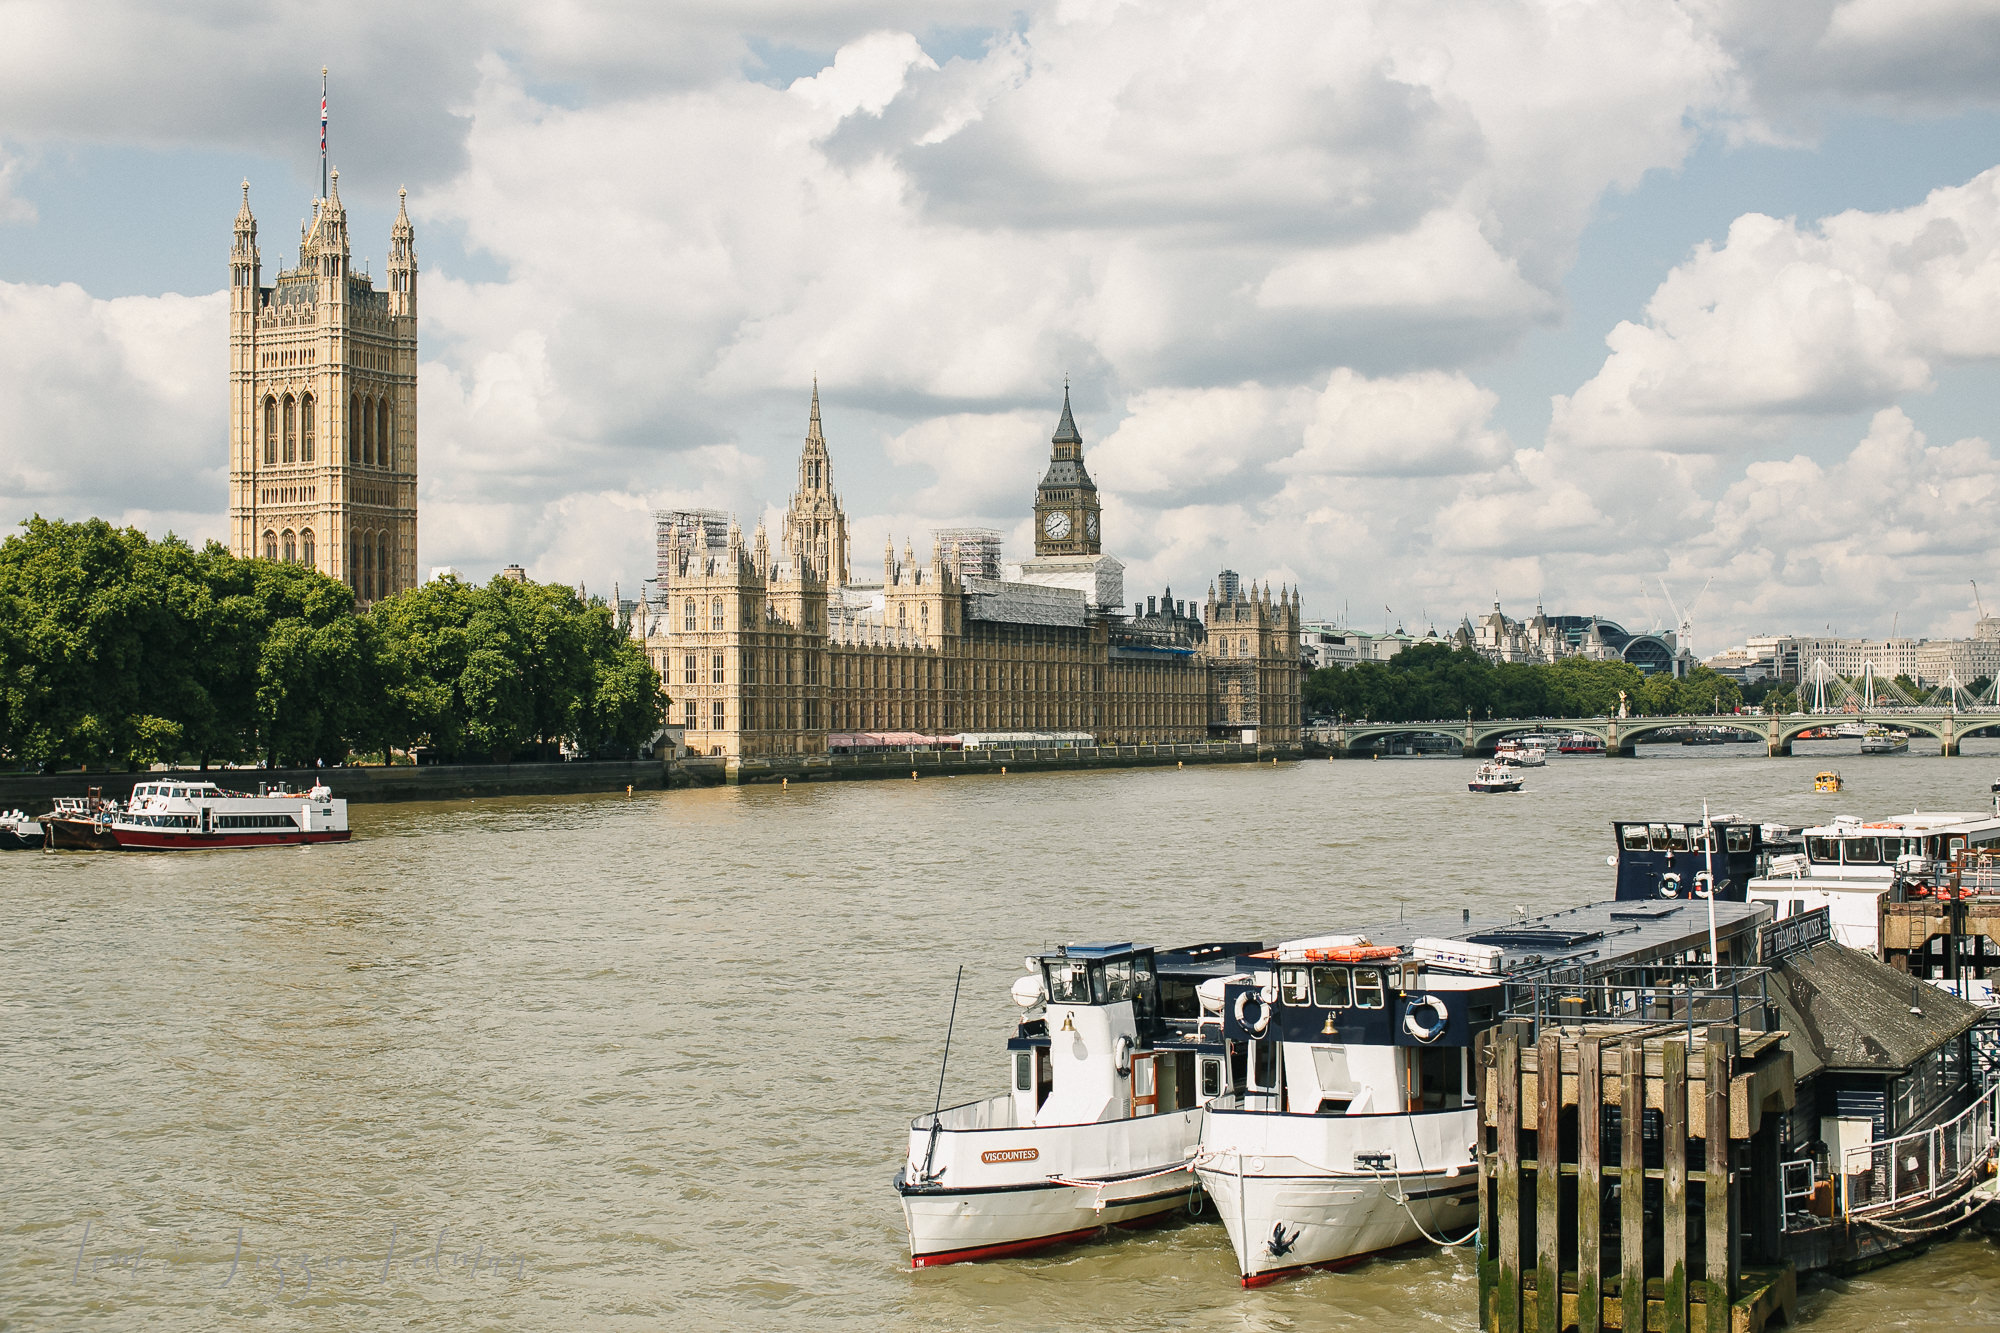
column 35, row 792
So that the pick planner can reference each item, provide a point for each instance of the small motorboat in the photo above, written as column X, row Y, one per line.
column 1494, row 778
column 1827, row 780
column 19, row 832
column 81, row 823
column 1882, row 740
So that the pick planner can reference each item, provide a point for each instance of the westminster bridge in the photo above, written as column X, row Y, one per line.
column 1620, row 734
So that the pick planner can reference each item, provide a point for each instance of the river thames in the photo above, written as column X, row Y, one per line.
column 648, row 1062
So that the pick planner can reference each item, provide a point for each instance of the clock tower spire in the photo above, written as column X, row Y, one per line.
column 1066, row 510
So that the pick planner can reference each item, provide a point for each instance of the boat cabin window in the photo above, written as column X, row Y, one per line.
column 1024, row 1071
column 1068, row 981
column 1264, row 1066
column 1657, row 833
column 1211, row 1078
column 1739, row 839
column 1634, row 837
column 1330, row 990
column 1367, row 988
column 1292, row 986
column 1101, row 981
column 1677, row 838
column 1862, row 851
column 1823, row 851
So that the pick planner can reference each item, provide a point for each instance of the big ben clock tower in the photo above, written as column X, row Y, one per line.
column 1066, row 512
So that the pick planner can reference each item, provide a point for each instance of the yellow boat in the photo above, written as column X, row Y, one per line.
column 1827, row 781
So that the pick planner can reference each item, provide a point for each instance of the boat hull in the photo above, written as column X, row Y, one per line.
column 164, row 840
column 13, row 840
column 1288, row 1206
column 990, row 1190
column 79, row 835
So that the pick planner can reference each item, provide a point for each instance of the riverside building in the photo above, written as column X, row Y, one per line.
column 787, row 652
column 323, row 405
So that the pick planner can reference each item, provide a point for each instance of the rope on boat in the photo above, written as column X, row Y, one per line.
column 1967, row 1205
column 1101, row 1185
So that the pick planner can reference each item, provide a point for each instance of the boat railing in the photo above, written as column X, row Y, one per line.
column 1684, row 994
column 1897, row 1174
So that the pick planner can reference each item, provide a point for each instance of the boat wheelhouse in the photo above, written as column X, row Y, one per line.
column 1860, row 871
column 1494, row 778
column 1349, row 1119
column 1882, row 740
column 1581, row 742
column 1109, row 1068
column 183, row 816
column 1668, row 859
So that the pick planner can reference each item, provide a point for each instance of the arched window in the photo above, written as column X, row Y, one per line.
column 306, row 429
column 690, row 616
column 382, row 451
column 902, row 615
column 308, row 551
column 270, row 545
column 291, row 546
column 367, row 569
column 384, row 567
column 924, row 619
column 270, row 432
column 353, row 564
column 368, row 431
column 354, row 428
column 291, row 430
column 715, row 614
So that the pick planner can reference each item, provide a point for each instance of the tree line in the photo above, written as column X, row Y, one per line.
column 118, row 651
column 1435, row 682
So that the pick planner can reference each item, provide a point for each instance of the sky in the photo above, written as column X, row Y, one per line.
column 1625, row 308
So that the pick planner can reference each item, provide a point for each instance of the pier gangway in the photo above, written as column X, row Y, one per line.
column 1896, row 1176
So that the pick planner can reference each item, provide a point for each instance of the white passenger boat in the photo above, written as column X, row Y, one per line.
column 1857, row 870
column 1881, row 740
column 1494, row 778
column 182, row 816
column 1517, row 755
column 1102, row 1117
column 1349, row 1123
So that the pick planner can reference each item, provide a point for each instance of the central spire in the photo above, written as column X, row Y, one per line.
column 812, row 426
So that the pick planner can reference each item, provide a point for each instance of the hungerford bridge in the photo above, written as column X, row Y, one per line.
column 1950, row 714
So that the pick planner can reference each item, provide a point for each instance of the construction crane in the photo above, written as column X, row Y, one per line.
column 1975, row 598
column 1684, row 623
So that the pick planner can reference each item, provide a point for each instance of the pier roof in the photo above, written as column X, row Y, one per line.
column 1847, row 1011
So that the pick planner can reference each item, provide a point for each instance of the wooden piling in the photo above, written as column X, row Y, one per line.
column 1716, row 1187
column 1638, row 1068
column 1507, row 1124
column 1632, row 1184
column 1548, row 1183
column 1589, row 1184
column 1674, row 1184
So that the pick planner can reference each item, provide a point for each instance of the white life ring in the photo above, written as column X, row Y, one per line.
column 1426, row 1032
column 1121, row 1055
column 1670, row 885
column 1263, row 1022
column 1702, row 883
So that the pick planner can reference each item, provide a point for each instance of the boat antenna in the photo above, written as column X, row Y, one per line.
column 944, row 1063
column 1708, row 830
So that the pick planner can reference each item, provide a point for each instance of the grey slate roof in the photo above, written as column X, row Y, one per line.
column 1066, row 428
column 1847, row 1011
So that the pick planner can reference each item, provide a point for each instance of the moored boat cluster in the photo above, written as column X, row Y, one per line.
column 1332, row 1095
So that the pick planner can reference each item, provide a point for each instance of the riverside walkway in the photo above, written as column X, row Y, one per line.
column 1621, row 734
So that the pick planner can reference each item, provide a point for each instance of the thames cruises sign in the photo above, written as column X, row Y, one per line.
column 1796, row 934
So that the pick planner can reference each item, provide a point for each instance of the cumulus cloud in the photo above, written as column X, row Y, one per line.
column 1785, row 320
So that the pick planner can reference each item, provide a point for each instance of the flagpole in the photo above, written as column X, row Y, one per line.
column 1708, row 832
column 322, row 132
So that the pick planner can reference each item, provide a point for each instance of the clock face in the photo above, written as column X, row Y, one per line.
column 1056, row 525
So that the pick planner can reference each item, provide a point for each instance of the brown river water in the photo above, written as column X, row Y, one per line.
column 647, row 1062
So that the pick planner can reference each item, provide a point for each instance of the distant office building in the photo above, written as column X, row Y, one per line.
column 1929, row 662
column 1325, row 645
column 1545, row 638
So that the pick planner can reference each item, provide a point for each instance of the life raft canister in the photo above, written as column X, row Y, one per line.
column 1416, row 1026
column 1354, row 953
column 1256, row 1029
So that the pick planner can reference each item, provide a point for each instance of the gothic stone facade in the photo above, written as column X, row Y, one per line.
column 761, row 662
column 323, row 405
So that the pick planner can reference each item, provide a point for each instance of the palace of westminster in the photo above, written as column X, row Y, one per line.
column 763, row 653
column 780, row 653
